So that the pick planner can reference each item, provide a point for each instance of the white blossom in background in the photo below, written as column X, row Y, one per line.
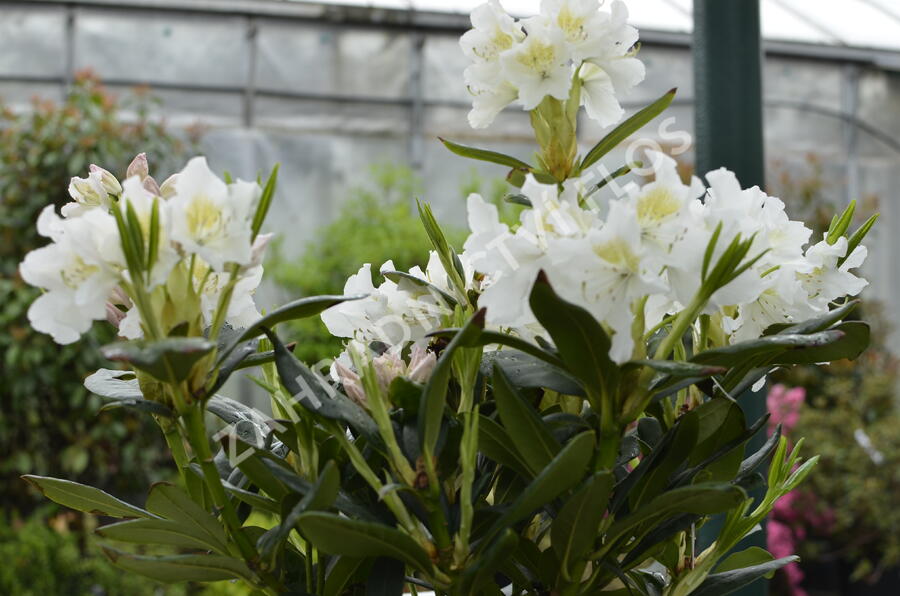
column 212, row 219
column 525, row 61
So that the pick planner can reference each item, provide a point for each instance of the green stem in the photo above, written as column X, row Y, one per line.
column 182, row 461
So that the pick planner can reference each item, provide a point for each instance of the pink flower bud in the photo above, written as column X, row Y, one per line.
column 351, row 382
column 114, row 315
column 150, row 185
column 421, row 364
column 138, row 167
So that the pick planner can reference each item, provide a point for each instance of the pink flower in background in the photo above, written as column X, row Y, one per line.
column 784, row 404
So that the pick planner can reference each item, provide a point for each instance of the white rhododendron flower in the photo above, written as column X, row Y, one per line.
column 142, row 200
column 648, row 249
column 527, row 61
column 78, row 271
column 211, row 218
column 396, row 312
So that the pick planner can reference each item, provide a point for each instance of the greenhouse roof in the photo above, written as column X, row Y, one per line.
column 871, row 24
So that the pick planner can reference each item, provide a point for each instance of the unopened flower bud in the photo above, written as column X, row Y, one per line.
column 421, row 364
column 351, row 382
column 150, row 185
column 167, row 188
column 258, row 250
column 107, row 180
column 114, row 315
column 138, row 167
column 88, row 191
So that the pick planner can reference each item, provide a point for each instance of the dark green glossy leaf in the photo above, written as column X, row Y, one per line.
column 850, row 345
column 482, row 569
column 580, row 339
column 386, row 578
column 719, row 584
column 494, row 443
column 575, row 528
column 769, row 346
column 159, row 531
column 122, row 389
column 561, row 474
column 531, row 437
column 339, row 574
column 527, row 372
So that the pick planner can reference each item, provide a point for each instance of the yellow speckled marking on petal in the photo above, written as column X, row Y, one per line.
column 204, row 219
column 617, row 252
column 656, row 205
column 77, row 273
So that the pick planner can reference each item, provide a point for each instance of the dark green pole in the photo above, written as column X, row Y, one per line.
column 728, row 118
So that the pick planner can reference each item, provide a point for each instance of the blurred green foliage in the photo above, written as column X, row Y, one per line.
column 377, row 223
column 49, row 424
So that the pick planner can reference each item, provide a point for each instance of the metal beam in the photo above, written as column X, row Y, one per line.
column 728, row 118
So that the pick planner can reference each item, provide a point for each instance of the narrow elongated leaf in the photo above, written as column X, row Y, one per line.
column 487, row 338
column 819, row 323
column 580, row 339
column 719, row 584
column 253, row 499
column 342, row 536
column 626, row 129
column 531, row 436
column 486, row 155
column 298, row 309
column 575, row 528
column 858, row 237
column 316, row 395
column 745, row 558
column 85, row 498
column 181, row 568
column 494, row 442
column 769, row 346
column 482, row 570
column 434, row 396
column 850, row 345
column 679, row 369
column 340, row 571
column 158, row 531
column 170, row 502
column 265, row 201
column 561, row 474
column 170, row 360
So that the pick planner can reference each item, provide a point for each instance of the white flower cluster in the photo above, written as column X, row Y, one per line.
column 395, row 313
column 528, row 60
column 647, row 251
column 204, row 224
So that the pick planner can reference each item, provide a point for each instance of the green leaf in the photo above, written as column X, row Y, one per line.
column 719, row 584
column 170, row 502
column 483, row 567
column 575, row 528
column 169, row 360
column 250, row 461
column 181, row 568
column 321, row 496
column 487, row 338
column 768, row 346
column 580, row 339
column 675, row 369
column 298, row 309
column 122, row 388
column 626, row 129
column 857, row 237
column 340, row 572
column 253, row 499
column 561, row 474
column 527, row 372
column 316, row 395
column 745, row 558
column 85, row 498
column 485, row 155
column 400, row 278
column 819, row 323
column 158, row 531
column 494, row 443
column 530, row 436
column 850, row 345
column 840, row 224
column 434, row 396
column 265, row 201
column 338, row 535
column 705, row 498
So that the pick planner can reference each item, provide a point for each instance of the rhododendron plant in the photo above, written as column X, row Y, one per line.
column 550, row 410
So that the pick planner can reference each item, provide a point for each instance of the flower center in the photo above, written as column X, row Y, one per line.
column 656, row 205
column 571, row 25
column 204, row 219
column 539, row 57
column 617, row 252
column 77, row 272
